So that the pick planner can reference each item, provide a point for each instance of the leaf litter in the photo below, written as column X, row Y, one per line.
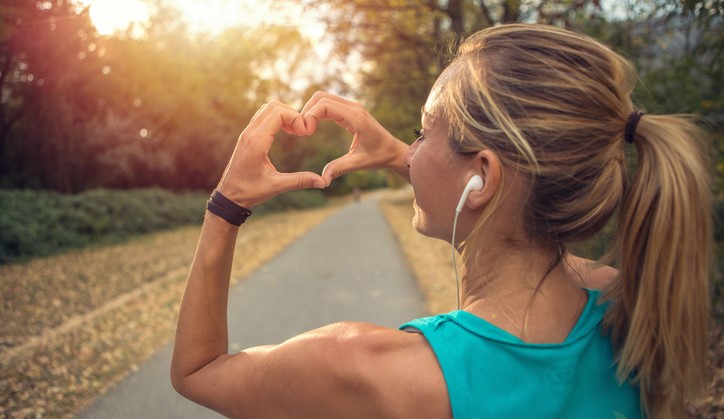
column 74, row 324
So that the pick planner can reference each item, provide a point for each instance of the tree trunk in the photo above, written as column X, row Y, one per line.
column 455, row 11
column 511, row 11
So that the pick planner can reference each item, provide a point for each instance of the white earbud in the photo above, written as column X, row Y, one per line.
column 474, row 184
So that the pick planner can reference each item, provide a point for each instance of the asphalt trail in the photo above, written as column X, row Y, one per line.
column 347, row 268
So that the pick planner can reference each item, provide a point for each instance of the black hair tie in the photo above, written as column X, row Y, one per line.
column 631, row 124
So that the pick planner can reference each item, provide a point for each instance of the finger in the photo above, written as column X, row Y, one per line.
column 313, row 101
column 342, row 165
column 319, row 95
column 258, row 111
column 285, row 182
column 269, row 120
column 345, row 113
column 298, row 127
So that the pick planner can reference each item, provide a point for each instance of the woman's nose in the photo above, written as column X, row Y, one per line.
column 410, row 153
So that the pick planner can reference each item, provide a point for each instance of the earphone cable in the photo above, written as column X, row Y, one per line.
column 454, row 260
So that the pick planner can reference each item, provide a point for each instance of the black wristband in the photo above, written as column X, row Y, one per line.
column 227, row 209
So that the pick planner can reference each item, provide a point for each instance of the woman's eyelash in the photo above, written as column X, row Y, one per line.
column 418, row 134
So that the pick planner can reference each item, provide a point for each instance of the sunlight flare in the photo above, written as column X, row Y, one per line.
column 110, row 16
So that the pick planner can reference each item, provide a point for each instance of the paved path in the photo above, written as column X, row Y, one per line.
column 347, row 268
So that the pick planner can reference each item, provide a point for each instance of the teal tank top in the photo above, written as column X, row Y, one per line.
column 492, row 374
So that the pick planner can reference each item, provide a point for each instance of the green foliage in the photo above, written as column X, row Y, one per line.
column 404, row 45
column 38, row 223
column 719, row 255
column 293, row 154
column 301, row 199
column 364, row 180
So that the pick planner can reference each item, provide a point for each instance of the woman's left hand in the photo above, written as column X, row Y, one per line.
column 250, row 177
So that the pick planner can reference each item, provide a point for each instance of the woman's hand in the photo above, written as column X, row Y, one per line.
column 373, row 147
column 250, row 177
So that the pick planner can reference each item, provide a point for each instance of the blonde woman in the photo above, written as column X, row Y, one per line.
column 535, row 121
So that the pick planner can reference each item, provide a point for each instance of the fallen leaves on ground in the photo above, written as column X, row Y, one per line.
column 74, row 324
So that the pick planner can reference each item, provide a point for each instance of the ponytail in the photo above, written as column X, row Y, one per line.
column 659, row 316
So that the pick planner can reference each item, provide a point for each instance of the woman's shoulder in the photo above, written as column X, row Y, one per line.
column 363, row 370
column 398, row 368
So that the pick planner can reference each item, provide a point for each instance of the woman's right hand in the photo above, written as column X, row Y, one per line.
column 373, row 147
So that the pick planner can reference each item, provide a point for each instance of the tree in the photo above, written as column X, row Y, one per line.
column 78, row 110
column 400, row 47
column 678, row 49
column 47, row 75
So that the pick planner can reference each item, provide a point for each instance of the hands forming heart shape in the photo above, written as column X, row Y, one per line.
column 250, row 177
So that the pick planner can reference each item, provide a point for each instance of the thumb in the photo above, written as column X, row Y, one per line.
column 299, row 180
column 340, row 166
column 333, row 170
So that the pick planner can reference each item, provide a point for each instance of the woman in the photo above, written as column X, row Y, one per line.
column 543, row 116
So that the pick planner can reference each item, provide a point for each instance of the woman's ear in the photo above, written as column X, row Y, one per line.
column 487, row 165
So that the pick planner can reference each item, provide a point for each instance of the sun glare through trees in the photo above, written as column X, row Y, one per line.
column 109, row 16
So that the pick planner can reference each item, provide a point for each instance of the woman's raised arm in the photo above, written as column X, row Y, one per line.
column 249, row 179
column 345, row 370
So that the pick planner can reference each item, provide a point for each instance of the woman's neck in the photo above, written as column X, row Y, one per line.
column 527, row 292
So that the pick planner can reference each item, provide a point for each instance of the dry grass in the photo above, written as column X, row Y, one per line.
column 74, row 324
column 430, row 262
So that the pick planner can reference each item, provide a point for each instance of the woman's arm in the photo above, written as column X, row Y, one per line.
column 345, row 370
column 201, row 335
column 342, row 370
column 250, row 178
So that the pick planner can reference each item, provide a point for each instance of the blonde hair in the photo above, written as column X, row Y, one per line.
column 553, row 105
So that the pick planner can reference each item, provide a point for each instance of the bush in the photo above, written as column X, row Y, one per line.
column 364, row 180
column 39, row 223
column 301, row 199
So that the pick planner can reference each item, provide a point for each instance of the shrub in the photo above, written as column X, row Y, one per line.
column 39, row 223
column 301, row 199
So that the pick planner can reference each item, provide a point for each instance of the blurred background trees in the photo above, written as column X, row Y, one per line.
column 403, row 45
column 79, row 110
column 158, row 104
